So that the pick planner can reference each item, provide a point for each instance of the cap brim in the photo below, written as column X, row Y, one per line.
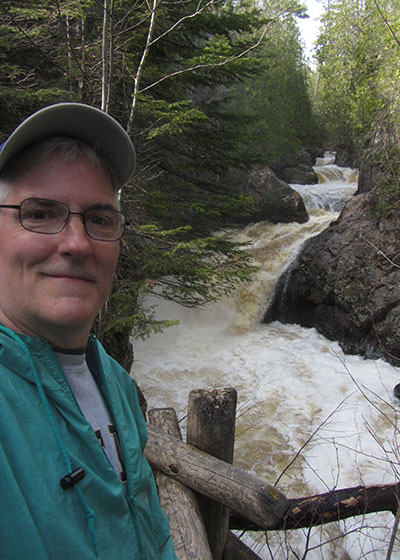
column 83, row 122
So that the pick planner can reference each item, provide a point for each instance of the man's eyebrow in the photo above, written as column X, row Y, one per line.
column 102, row 207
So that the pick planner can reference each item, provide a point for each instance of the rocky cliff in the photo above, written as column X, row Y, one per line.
column 346, row 282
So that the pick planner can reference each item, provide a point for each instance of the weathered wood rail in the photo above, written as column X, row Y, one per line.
column 179, row 502
column 235, row 488
column 232, row 498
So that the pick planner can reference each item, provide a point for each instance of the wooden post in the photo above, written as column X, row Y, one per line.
column 179, row 502
column 211, row 428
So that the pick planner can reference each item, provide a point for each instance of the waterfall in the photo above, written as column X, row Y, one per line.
column 335, row 187
column 324, row 419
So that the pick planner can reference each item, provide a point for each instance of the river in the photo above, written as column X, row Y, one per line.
column 309, row 416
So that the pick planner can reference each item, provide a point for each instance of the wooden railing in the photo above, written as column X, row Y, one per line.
column 205, row 496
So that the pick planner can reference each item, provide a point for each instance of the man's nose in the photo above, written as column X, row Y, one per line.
column 74, row 238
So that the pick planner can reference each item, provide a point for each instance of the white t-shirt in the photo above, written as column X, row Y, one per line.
column 93, row 406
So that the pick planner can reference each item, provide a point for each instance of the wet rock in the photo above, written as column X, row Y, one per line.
column 368, row 177
column 301, row 174
column 300, row 171
column 347, row 156
column 273, row 199
column 346, row 283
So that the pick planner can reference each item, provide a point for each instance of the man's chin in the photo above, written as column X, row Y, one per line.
column 69, row 317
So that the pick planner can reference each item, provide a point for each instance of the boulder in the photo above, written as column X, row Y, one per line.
column 301, row 174
column 273, row 200
column 300, row 171
column 345, row 282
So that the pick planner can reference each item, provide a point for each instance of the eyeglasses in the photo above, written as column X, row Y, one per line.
column 41, row 215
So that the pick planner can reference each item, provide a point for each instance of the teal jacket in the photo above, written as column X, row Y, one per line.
column 44, row 436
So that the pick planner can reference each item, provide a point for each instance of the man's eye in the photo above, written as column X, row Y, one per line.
column 39, row 215
column 101, row 220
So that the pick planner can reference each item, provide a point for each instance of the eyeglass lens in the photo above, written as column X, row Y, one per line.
column 49, row 216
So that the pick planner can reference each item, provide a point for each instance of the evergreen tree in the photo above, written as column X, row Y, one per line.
column 358, row 55
column 187, row 146
column 155, row 69
column 277, row 100
column 166, row 71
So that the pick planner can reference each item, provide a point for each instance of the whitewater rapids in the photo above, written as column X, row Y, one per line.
column 309, row 416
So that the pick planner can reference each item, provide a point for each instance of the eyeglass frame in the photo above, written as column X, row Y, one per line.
column 70, row 212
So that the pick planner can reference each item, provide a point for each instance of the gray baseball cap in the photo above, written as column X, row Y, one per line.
column 75, row 120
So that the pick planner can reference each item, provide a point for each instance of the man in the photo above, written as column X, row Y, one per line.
column 73, row 480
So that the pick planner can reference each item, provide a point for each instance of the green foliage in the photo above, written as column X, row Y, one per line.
column 276, row 99
column 159, row 262
column 184, row 278
column 173, row 118
column 139, row 324
column 388, row 202
column 384, row 155
column 34, row 56
column 359, row 98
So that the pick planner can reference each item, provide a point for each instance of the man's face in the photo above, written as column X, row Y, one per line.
column 54, row 285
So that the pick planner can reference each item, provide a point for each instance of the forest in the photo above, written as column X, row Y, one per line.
column 207, row 89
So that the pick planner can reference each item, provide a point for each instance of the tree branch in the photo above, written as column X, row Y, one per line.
column 386, row 22
column 141, row 64
column 198, row 11
column 331, row 506
column 226, row 60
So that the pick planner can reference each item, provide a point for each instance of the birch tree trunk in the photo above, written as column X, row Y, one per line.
column 106, row 54
column 139, row 71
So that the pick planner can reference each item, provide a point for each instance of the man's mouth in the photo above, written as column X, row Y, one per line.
column 77, row 276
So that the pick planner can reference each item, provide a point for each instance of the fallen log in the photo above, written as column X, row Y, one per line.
column 331, row 506
column 239, row 490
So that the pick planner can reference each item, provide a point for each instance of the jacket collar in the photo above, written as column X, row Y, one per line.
column 42, row 355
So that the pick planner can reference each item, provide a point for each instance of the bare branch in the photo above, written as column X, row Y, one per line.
column 317, row 429
column 386, row 22
column 198, row 11
column 394, row 533
column 70, row 46
column 106, row 54
column 208, row 65
column 340, row 504
column 383, row 254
